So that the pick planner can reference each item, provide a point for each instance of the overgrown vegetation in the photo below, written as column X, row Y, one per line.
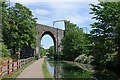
column 84, row 59
column 106, row 33
column 75, row 73
column 18, row 27
column 5, row 51
column 58, row 55
column 37, row 56
column 51, row 52
column 43, row 52
column 47, row 75
column 103, row 42
column 73, row 41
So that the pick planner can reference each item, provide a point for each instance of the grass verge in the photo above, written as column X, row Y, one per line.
column 16, row 74
column 46, row 73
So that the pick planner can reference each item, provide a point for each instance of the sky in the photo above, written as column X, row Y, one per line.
column 47, row 11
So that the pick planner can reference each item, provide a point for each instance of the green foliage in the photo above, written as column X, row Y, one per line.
column 73, row 41
column 5, row 51
column 37, row 56
column 117, row 32
column 18, row 27
column 84, row 59
column 43, row 51
column 42, row 54
column 51, row 51
column 58, row 56
column 45, row 70
column 106, row 31
column 110, row 60
column 71, row 71
column 14, row 56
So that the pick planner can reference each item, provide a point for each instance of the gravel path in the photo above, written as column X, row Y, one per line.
column 33, row 71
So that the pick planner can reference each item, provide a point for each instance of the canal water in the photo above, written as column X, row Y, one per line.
column 76, row 71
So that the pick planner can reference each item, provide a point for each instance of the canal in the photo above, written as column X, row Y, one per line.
column 77, row 71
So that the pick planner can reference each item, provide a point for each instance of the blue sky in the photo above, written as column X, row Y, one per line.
column 47, row 11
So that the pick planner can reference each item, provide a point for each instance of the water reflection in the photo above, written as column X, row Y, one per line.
column 87, row 67
column 73, row 70
column 65, row 70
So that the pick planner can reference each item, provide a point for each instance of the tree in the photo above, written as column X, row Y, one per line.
column 73, row 41
column 3, row 48
column 51, row 51
column 105, row 30
column 43, row 51
column 0, row 27
column 5, row 51
column 18, row 27
column 117, row 32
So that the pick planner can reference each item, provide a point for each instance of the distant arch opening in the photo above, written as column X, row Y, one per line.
column 48, row 34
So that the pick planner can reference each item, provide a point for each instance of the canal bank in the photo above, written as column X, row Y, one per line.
column 46, row 72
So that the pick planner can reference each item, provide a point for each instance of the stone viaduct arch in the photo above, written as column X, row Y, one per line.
column 55, row 33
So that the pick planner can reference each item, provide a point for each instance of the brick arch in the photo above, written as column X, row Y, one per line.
column 53, row 37
column 56, row 33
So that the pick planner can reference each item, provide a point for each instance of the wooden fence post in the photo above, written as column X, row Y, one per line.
column 23, row 61
column 17, row 64
column 1, row 66
column 12, row 65
column 8, row 67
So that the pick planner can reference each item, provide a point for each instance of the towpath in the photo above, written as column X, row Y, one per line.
column 33, row 71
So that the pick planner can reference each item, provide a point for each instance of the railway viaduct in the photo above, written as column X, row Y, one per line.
column 56, row 34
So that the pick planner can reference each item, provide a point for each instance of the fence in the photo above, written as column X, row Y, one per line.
column 23, row 62
column 12, row 66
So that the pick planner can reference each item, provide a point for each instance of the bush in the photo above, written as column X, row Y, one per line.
column 14, row 56
column 37, row 56
column 58, row 56
column 111, row 60
column 5, row 51
column 84, row 59
column 42, row 54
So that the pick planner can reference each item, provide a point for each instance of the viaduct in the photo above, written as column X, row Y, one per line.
column 56, row 34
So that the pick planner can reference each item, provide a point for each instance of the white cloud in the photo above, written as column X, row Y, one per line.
column 41, row 11
column 44, row 22
column 77, row 13
column 77, row 19
column 61, row 10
